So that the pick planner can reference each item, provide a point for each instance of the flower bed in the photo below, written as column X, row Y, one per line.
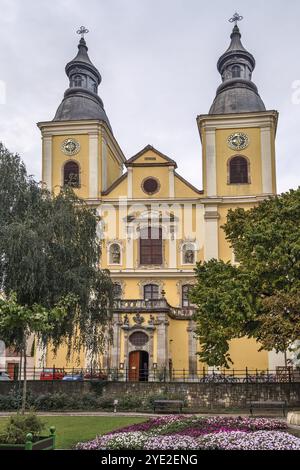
column 191, row 432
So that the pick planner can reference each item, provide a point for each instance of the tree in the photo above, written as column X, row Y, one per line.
column 260, row 296
column 18, row 323
column 49, row 251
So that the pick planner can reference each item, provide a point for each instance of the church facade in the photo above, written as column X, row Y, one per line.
column 155, row 225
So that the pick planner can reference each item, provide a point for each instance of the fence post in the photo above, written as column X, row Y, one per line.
column 290, row 378
column 34, row 372
column 53, row 435
column 53, row 372
column 247, row 374
column 256, row 376
column 28, row 443
column 183, row 375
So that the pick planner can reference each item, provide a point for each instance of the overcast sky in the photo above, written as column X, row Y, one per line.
column 158, row 61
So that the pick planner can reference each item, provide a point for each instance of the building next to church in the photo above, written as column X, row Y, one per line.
column 155, row 224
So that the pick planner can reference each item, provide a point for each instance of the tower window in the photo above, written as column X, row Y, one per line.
column 78, row 80
column 236, row 71
column 151, row 245
column 71, row 174
column 151, row 292
column 238, row 170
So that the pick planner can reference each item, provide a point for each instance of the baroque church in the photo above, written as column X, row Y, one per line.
column 155, row 225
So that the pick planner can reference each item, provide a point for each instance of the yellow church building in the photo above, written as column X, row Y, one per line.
column 155, row 225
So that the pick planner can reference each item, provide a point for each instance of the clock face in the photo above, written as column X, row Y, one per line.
column 238, row 141
column 70, row 147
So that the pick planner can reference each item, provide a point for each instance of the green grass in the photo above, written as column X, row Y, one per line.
column 73, row 429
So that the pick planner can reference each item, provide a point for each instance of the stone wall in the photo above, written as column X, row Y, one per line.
column 196, row 395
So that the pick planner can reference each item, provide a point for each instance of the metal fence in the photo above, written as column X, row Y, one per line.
column 205, row 376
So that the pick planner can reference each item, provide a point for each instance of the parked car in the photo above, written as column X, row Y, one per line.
column 4, row 377
column 76, row 377
column 52, row 374
column 95, row 376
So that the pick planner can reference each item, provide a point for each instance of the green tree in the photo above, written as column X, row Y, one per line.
column 18, row 323
column 260, row 296
column 49, row 251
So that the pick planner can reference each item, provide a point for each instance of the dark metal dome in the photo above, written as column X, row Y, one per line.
column 237, row 93
column 81, row 100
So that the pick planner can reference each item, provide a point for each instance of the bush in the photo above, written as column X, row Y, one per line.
column 19, row 426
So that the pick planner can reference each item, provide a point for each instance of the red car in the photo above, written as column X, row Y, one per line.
column 52, row 374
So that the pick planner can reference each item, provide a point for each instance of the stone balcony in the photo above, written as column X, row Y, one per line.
column 153, row 306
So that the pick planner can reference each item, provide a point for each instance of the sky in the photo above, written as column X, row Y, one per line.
column 158, row 61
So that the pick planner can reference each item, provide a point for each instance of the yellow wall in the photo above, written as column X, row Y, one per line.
column 178, row 344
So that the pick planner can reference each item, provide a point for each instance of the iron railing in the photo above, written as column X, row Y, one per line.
column 163, row 374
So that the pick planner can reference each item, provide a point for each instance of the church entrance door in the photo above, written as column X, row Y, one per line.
column 138, row 366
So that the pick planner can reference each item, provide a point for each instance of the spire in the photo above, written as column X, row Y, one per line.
column 81, row 99
column 237, row 93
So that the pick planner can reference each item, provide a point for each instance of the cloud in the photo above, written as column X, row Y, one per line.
column 158, row 63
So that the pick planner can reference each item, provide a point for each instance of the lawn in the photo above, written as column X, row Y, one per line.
column 72, row 429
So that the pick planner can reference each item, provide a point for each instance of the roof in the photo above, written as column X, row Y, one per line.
column 148, row 147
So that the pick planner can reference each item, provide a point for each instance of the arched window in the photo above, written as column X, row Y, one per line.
column 71, row 174
column 185, row 295
column 114, row 253
column 78, row 80
column 236, row 71
column 151, row 245
column 238, row 170
column 151, row 292
column 117, row 290
column 188, row 253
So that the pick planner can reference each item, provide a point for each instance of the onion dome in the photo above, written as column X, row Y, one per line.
column 237, row 93
column 81, row 100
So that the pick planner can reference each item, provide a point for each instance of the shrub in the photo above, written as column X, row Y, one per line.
column 19, row 426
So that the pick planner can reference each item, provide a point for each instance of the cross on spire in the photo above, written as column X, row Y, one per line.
column 236, row 17
column 82, row 30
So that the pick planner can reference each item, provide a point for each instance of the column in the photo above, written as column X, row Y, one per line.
column 47, row 162
column 211, row 164
column 192, row 348
column 171, row 182
column 93, row 166
column 104, row 164
column 162, row 341
column 266, row 160
column 211, row 248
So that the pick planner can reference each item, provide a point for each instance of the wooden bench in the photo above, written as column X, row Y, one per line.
column 167, row 405
column 268, row 405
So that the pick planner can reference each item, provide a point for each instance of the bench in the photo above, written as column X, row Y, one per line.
column 167, row 405
column 268, row 405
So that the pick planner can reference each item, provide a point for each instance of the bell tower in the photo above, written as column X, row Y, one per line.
column 79, row 147
column 238, row 134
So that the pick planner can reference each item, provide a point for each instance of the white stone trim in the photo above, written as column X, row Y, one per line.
column 171, row 182
column 211, row 164
column 266, row 160
column 93, row 166
column 47, row 162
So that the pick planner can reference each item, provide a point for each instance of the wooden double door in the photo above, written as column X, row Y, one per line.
column 138, row 366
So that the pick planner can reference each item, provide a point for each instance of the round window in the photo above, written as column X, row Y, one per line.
column 150, row 185
column 138, row 338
